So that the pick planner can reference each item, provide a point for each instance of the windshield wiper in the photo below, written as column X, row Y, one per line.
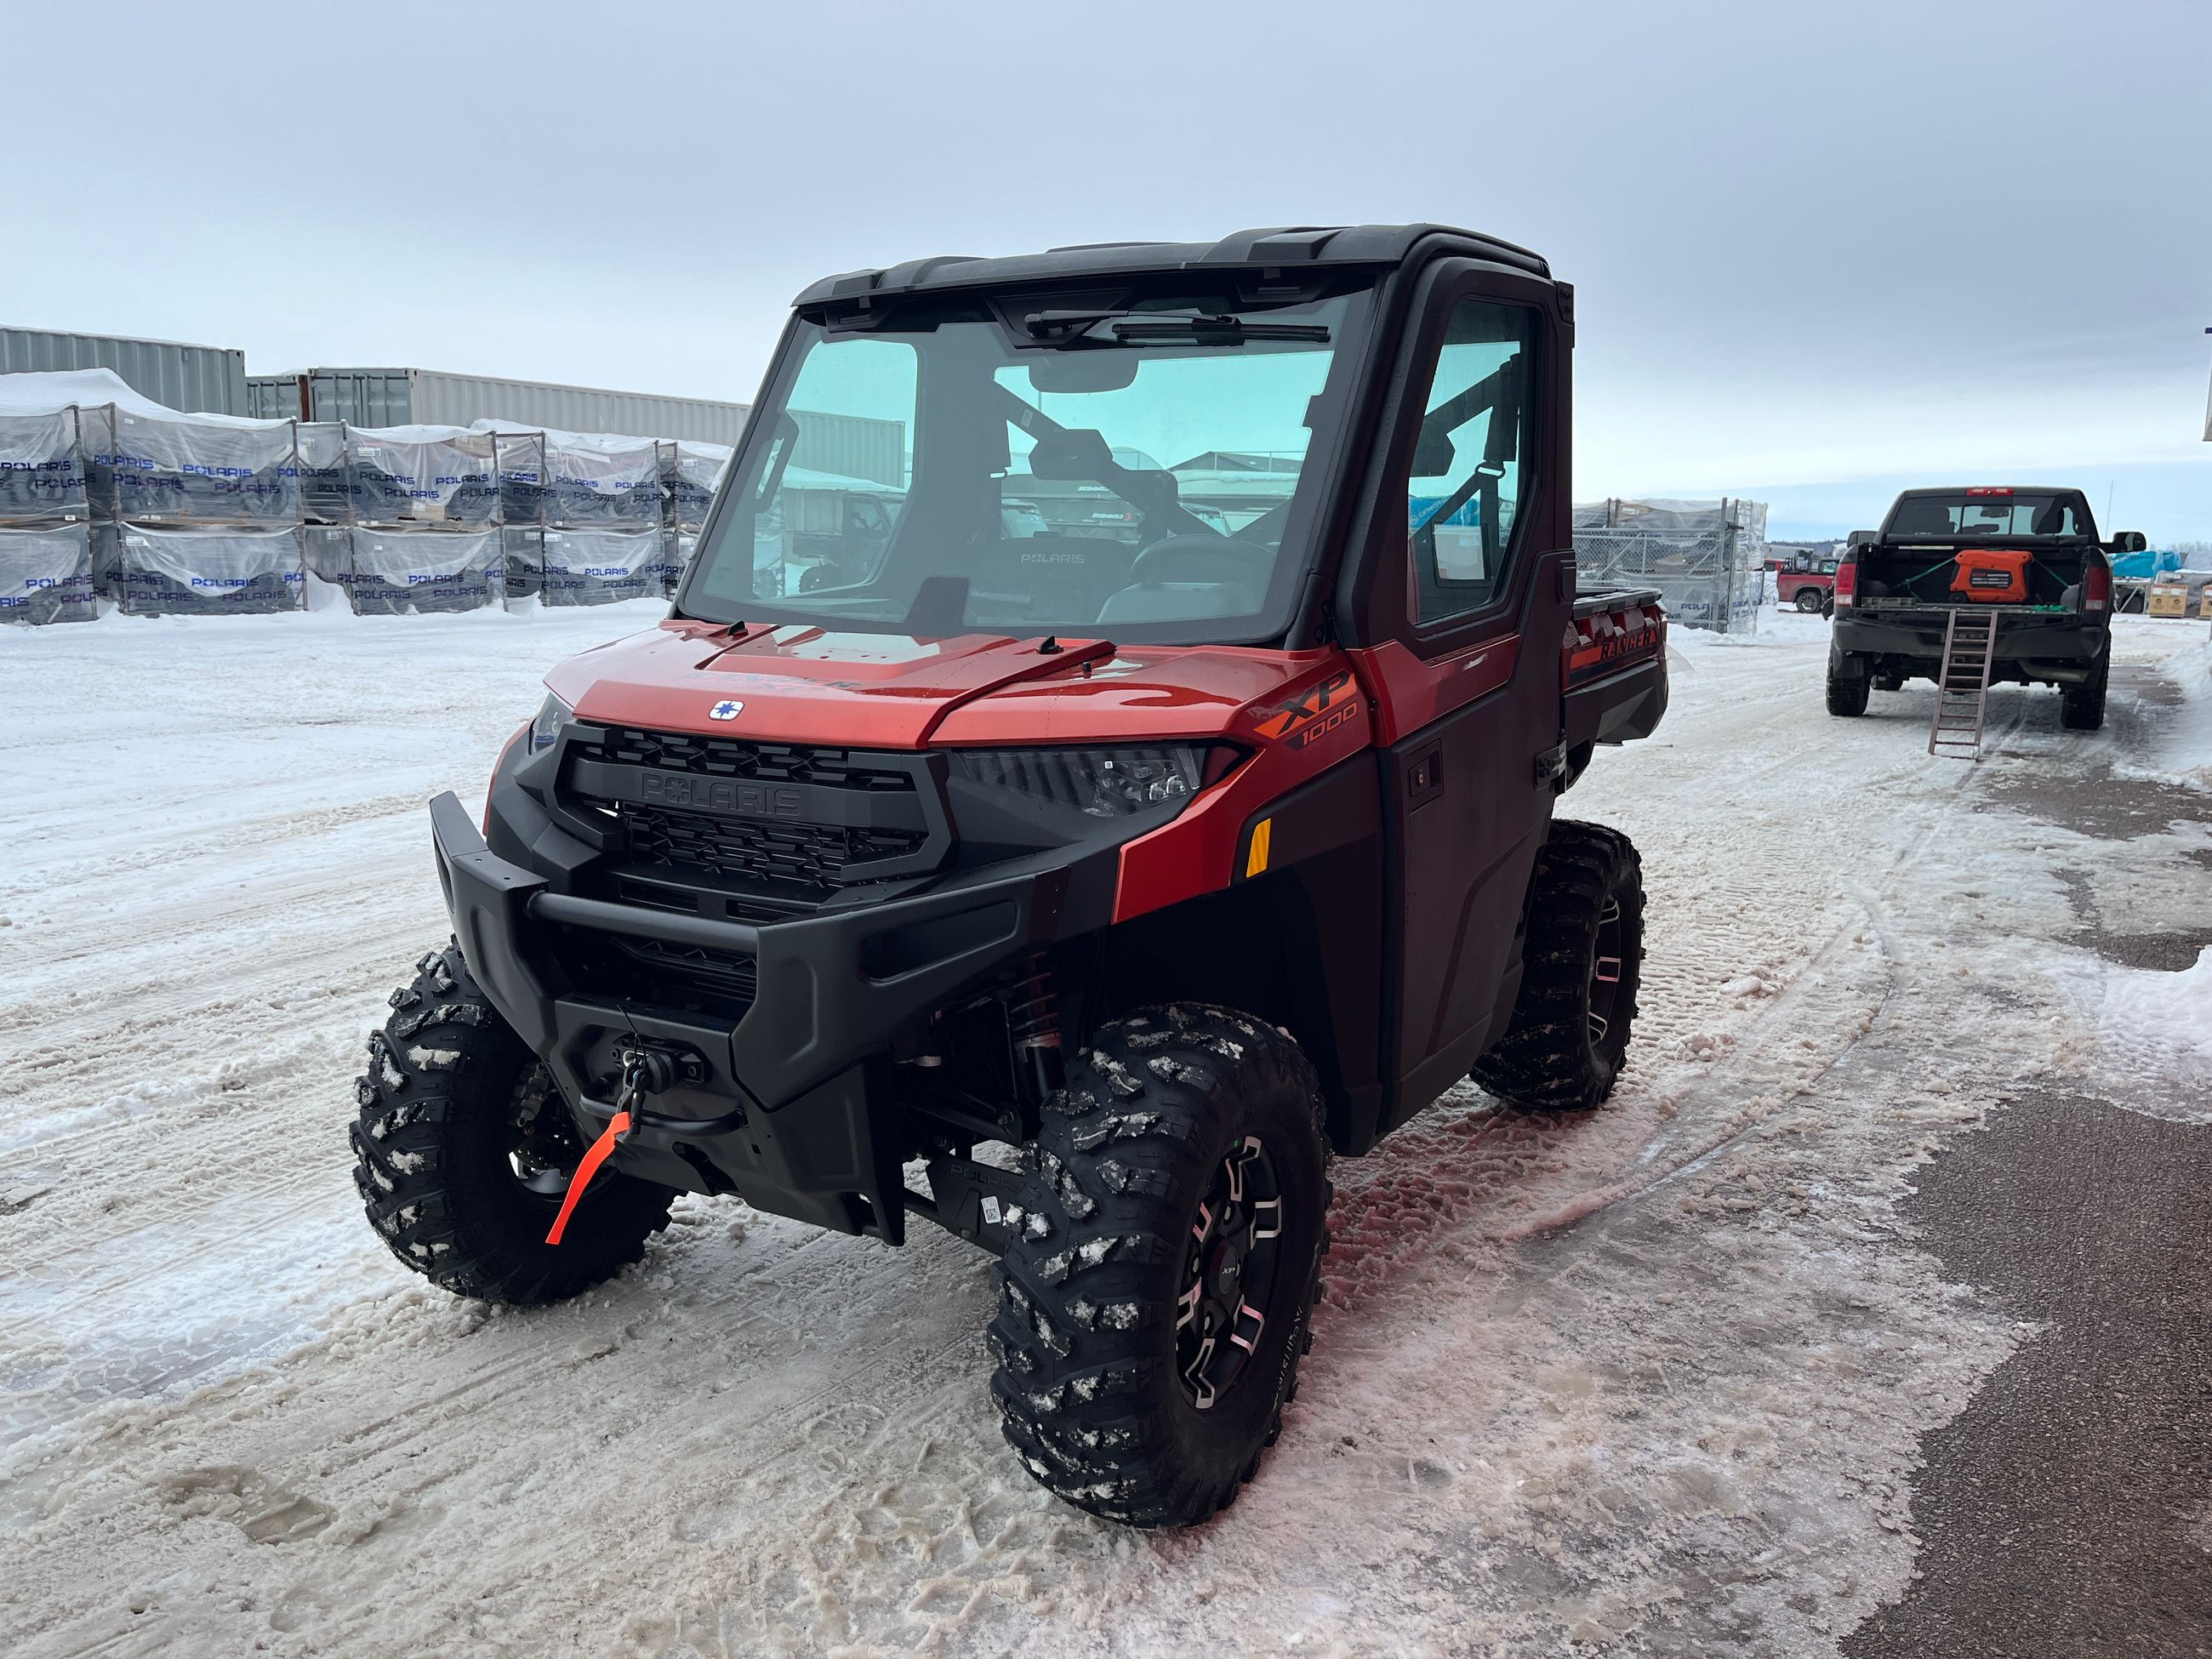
column 1064, row 328
column 1214, row 331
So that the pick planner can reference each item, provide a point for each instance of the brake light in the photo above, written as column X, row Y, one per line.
column 2097, row 589
column 1989, row 489
column 1847, row 582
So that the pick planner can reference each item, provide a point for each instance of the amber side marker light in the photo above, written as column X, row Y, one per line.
column 1256, row 862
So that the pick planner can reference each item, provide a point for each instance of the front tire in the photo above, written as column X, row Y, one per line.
column 1156, row 1296
column 463, row 1146
column 1810, row 599
column 1582, row 965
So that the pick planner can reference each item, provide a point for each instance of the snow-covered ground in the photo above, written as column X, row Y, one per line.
column 1647, row 1382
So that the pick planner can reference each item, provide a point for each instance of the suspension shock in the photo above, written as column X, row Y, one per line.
column 1033, row 1022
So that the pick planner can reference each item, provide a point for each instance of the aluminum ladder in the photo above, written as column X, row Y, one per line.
column 1962, row 690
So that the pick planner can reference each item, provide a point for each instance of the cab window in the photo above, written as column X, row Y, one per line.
column 1471, row 459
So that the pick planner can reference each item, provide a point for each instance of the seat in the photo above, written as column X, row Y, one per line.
column 1049, row 575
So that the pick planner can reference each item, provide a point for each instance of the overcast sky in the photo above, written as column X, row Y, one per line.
column 1818, row 253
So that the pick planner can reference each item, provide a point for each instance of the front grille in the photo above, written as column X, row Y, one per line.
column 802, row 854
column 718, row 973
column 794, row 859
column 764, row 762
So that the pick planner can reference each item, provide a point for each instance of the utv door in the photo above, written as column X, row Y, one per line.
column 1464, row 591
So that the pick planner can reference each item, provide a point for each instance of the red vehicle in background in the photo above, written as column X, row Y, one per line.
column 1807, row 580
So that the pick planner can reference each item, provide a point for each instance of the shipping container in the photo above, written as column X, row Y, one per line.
column 196, row 380
column 423, row 397
column 852, row 445
column 274, row 397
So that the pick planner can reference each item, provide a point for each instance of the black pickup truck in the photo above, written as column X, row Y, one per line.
column 2032, row 554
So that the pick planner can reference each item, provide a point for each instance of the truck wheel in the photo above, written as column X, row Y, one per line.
column 2081, row 708
column 1581, row 966
column 1809, row 599
column 1155, row 1298
column 1847, row 693
column 463, row 1148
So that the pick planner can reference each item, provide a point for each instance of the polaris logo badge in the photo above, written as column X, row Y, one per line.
column 728, row 710
column 751, row 800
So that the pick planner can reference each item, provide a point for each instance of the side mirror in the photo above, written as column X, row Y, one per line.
column 1859, row 538
column 2130, row 541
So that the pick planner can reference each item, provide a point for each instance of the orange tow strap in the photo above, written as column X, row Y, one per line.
column 617, row 1125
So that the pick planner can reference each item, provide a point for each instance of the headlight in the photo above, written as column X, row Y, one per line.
column 545, row 730
column 1104, row 783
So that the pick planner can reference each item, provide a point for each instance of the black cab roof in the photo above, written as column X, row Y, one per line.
column 1271, row 248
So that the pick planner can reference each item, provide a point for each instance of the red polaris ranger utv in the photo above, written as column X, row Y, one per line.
column 1172, row 836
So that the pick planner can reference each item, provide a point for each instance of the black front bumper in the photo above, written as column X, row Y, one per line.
column 797, row 1108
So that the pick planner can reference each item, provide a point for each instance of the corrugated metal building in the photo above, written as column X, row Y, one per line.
column 198, row 380
column 408, row 397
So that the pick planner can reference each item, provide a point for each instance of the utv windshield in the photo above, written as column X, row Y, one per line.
column 1968, row 512
column 1140, row 467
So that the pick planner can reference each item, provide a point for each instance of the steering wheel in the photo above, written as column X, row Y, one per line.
column 1204, row 559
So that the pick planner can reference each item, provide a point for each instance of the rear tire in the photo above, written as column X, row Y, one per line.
column 1582, row 965
column 1847, row 693
column 461, row 1148
column 1155, row 1301
column 2081, row 708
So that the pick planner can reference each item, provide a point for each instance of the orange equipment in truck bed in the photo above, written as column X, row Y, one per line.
column 1993, row 575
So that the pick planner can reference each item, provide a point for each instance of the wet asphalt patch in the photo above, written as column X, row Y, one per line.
column 2171, row 951
column 2096, row 803
column 2064, row 1511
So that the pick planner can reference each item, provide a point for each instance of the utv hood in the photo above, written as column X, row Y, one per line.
column 808, row 685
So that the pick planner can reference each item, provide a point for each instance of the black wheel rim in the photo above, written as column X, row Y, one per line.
column 1604, row 973
column 1228, row 1273
column 542, row 1149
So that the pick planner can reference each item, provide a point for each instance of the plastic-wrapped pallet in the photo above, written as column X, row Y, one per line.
column 696, row 476
column 95, row 425
column 521, row 563
column 206, row 468
column 681, row 544
column 589, row 479
column 45, row 573
column 519, row 460
column 1706, row 558
column 323, row 491
column 398, row 571
column 104, row 555
column 326, row 551
column 599, row 567
column 427, row 475
column 612, row 482
column 42, row 467
column 209, row 572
